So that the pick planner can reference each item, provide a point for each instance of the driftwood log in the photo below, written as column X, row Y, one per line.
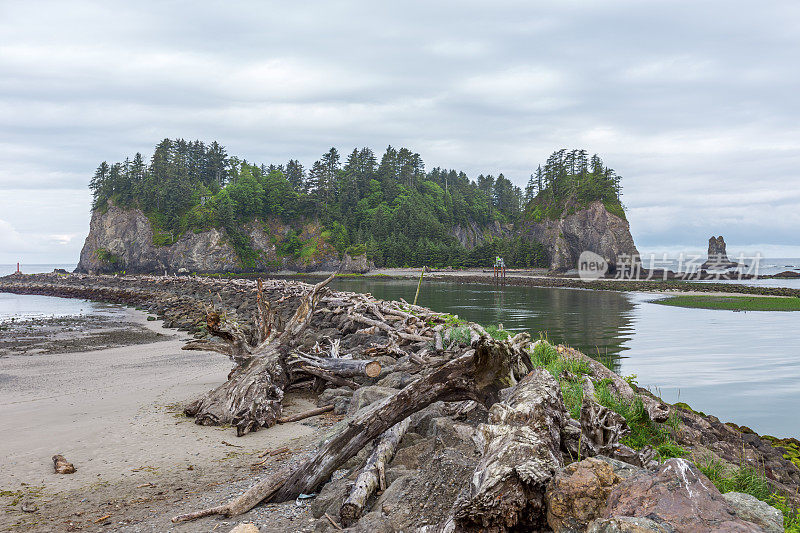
column 479, row 374
column 521, row 453
column 370, row 477
column 346, row 368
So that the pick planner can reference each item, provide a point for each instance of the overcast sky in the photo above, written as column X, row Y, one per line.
column 695, row 104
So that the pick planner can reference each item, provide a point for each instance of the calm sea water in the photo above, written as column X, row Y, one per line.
column 18, row 307
column 35, row 268
column 741, row 367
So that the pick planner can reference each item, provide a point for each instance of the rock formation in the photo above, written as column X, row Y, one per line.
column 718, row 255
column 122, row 239
column 593, row 228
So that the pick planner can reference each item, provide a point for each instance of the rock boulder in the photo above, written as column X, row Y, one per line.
column 679, row 495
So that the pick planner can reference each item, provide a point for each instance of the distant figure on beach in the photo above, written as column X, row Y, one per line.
column 499, row 267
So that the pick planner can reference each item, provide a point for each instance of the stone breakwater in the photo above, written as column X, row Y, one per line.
column 619, row 285
column 432, row 469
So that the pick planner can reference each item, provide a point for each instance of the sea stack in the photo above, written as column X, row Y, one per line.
column 718, row 255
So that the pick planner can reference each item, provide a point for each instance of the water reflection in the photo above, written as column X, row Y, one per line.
column 595, row 322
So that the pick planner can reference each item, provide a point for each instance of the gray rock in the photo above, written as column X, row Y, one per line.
column 330, row 498
column 368, row 395
column 592, row 228
column 29, row 506
column 621, row 469
column 329, row 395
column 472, row 234
column 427, row 497
column 341, row 404
column 717, row 254
column 373, row 522
column 396, row 380
column 358, row 264
column 627, row 524
column 450, row 434
column 752, row 509
column 412, row 456
column 127, row 235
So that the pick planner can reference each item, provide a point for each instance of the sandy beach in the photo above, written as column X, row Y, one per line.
column 116, row 415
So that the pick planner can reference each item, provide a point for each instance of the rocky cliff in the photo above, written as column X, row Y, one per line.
column 122, row 239
column 592, row 228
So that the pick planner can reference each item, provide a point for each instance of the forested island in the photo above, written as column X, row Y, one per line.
column 389, row 208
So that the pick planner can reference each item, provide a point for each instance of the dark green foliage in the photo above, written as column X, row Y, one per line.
column 569, row 181
column 107, row 257
column 392, row 209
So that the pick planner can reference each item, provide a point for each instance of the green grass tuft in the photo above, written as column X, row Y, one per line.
column 643, row 430
column 460, row 334
column 750, row 480
column 498, row 334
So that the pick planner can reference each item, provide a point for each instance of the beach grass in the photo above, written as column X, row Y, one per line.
column 733, row 303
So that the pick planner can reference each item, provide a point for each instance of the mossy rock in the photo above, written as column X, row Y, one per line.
column 789, row 446
column 740, row 429
column 686, row 407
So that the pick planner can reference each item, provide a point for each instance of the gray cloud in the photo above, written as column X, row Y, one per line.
column 694, row 104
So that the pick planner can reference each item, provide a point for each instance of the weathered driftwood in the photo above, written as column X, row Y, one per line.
column 602, row 428
column 258, row 492
column 346, row 368
column 369, row 479
column 252, row 396
column 521, row 453
column 479, row 374
column 62, row 466
column 329, row 377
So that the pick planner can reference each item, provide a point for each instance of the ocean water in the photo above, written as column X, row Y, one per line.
column 26, row 268
column 760, row 266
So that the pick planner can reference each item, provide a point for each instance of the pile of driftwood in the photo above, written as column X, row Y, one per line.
column 525, row 438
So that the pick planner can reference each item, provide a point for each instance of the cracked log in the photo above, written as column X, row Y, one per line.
column 368, row 479
column 521, row 453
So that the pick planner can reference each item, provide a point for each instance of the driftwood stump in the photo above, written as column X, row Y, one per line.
column 253, row 395
column 369, row 479
column 521, row 453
